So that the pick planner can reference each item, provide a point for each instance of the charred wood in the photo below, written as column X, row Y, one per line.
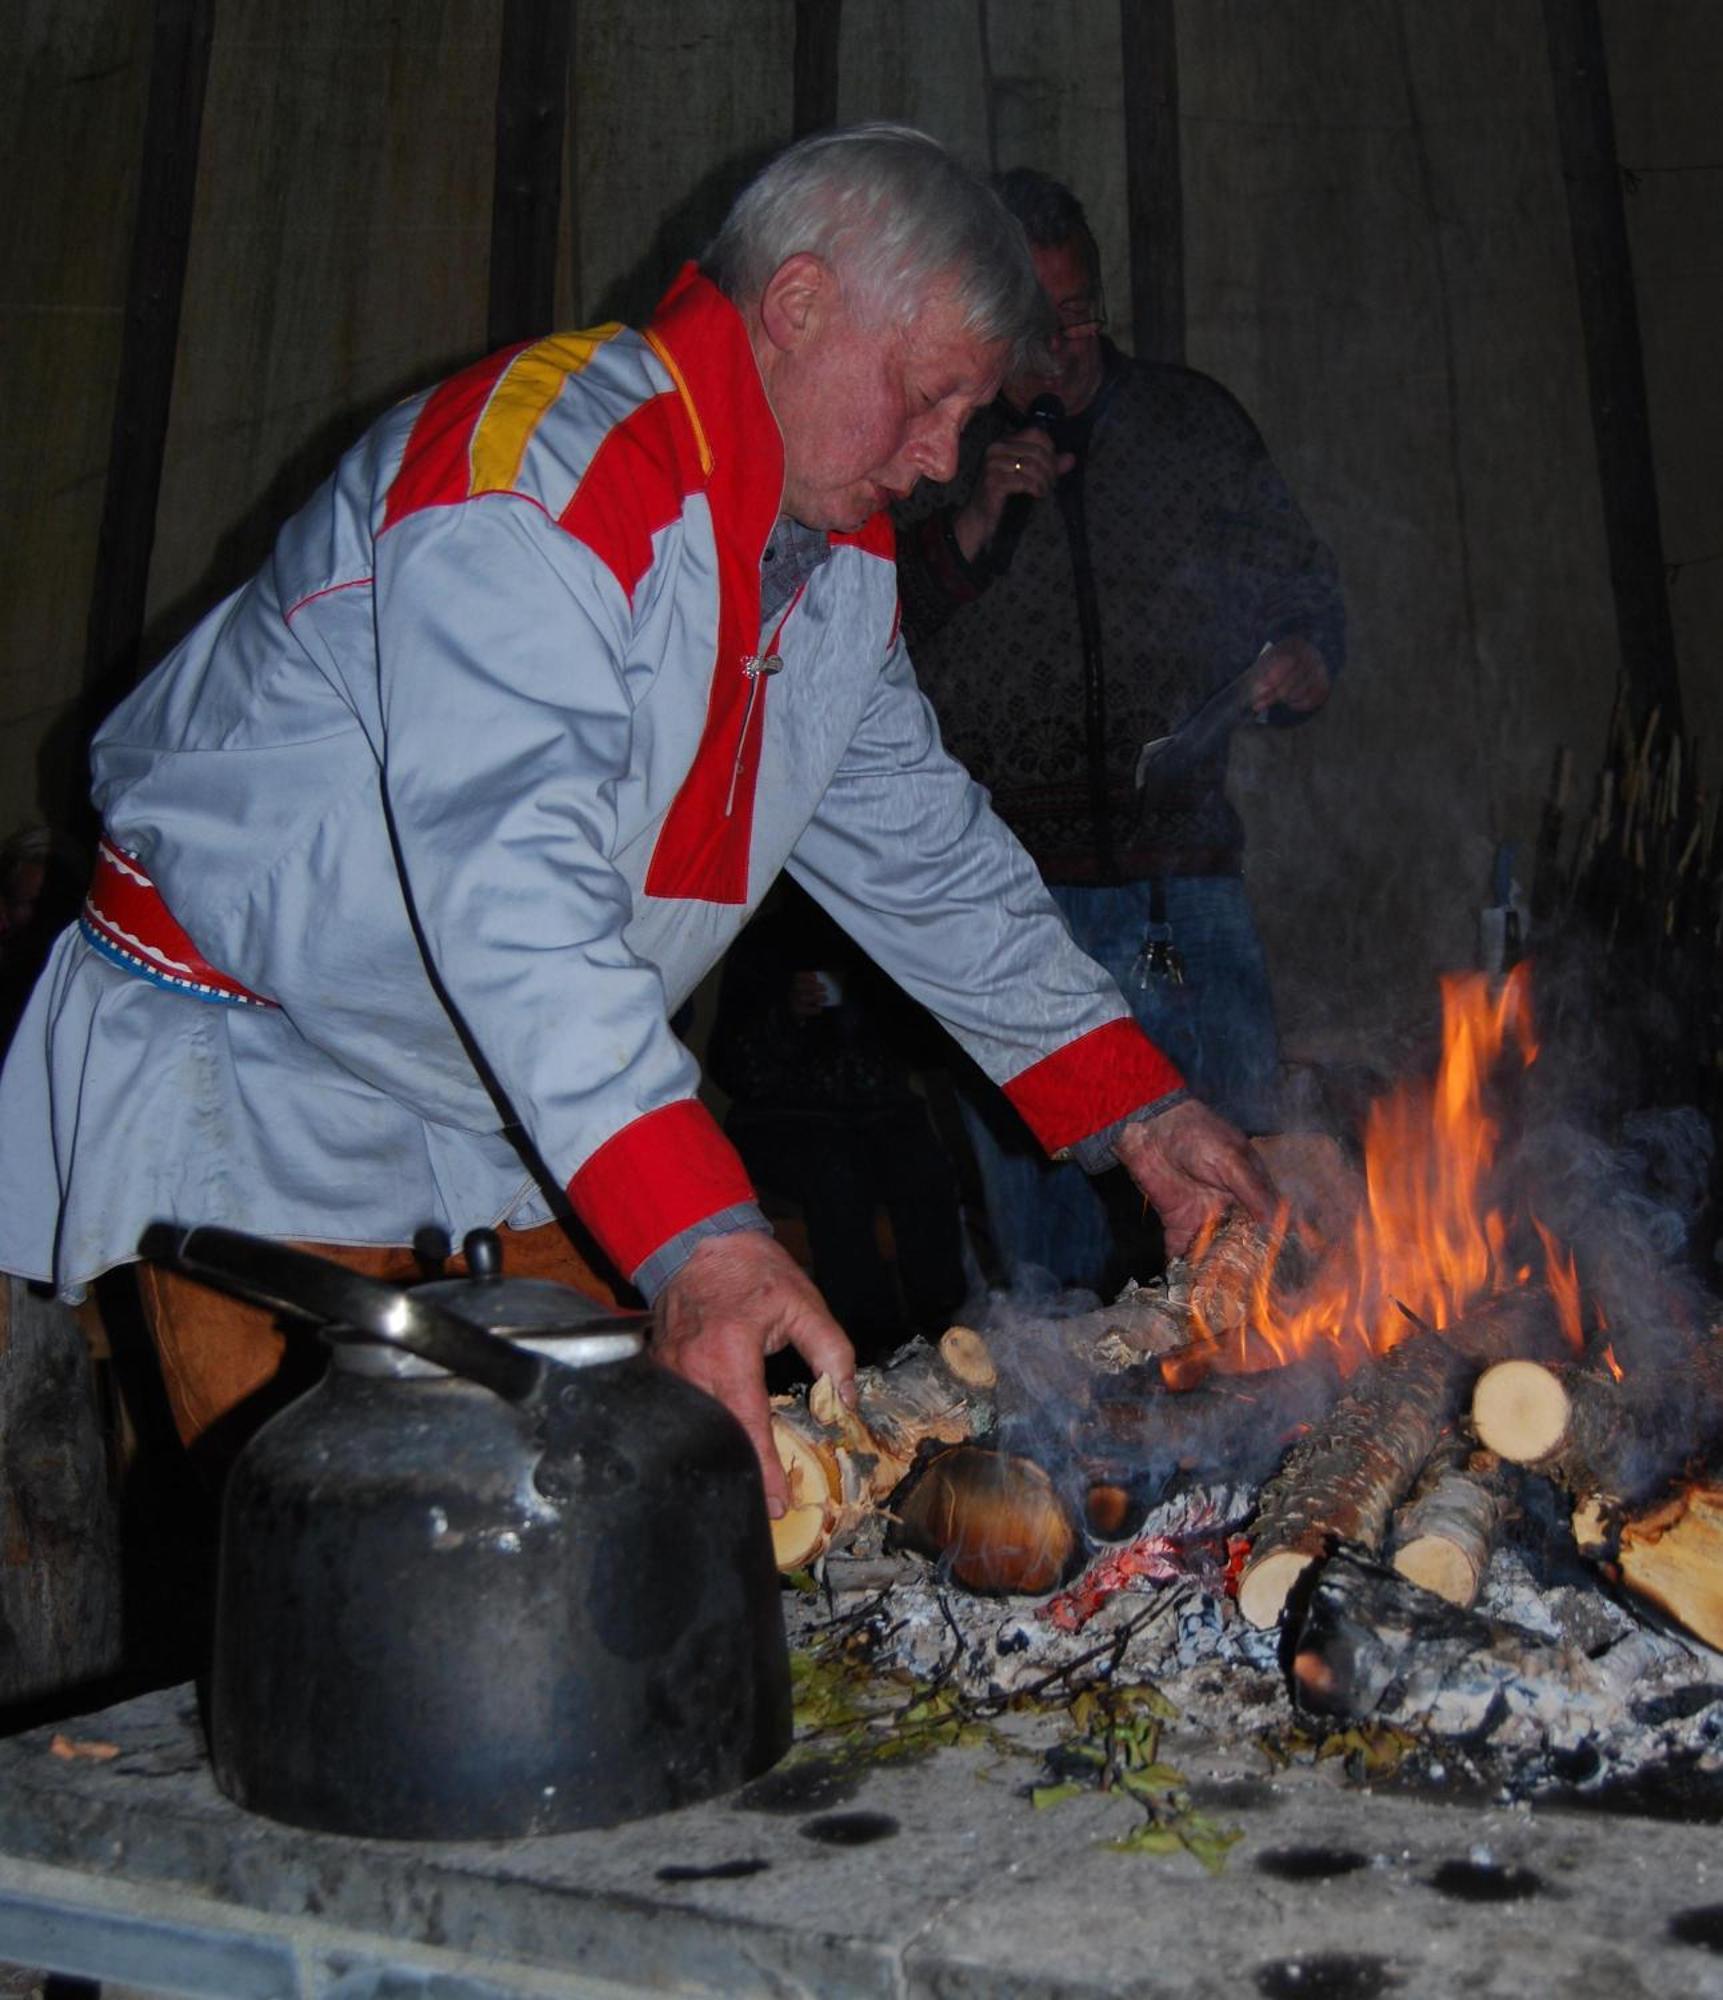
column 59, row 1534
column 1366, row 1643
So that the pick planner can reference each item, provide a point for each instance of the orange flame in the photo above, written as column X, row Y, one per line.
column 1563, row 1281
column 1425, row 1245
column 1610, row 1362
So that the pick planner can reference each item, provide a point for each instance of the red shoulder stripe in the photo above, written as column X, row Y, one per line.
column 634, row 487
column 436, row 467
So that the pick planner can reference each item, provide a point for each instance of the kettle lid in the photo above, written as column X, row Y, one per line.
column 553, row 1318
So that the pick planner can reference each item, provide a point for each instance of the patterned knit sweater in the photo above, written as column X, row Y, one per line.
column 1200, row 557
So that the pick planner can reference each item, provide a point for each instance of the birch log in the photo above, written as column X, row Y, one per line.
column 1614, row 1444
column 1444, row 1534
column 1342, row 1483
column 841, row 1463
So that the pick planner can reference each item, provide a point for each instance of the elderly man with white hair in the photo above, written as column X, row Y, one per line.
column 418, row 841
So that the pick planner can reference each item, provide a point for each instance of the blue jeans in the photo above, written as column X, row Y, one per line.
column 1218, row 1026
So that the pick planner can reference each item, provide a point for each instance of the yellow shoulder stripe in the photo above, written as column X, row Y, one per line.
column 675, row 374
column 529, row 385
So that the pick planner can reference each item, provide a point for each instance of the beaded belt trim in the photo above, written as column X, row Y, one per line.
column 125, row 919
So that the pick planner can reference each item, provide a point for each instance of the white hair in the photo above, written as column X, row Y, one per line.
column 895, row 215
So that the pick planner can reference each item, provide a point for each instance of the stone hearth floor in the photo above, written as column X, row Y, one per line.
column 932, row 1878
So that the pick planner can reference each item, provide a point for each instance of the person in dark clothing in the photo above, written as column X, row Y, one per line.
column 816, row 1049
column 1087, row 583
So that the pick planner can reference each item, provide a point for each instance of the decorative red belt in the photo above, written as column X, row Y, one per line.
column 125, row 919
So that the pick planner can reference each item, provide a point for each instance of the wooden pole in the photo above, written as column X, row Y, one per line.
column 815, row 102
column 1154, row 189
column 155, row 287
column 1609, row 324
column 532, row 118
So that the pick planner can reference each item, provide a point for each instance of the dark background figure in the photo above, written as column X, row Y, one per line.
column 1119, row 566
column 817, row 1050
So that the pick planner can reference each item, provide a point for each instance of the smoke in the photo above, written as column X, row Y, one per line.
column 1074, row 1397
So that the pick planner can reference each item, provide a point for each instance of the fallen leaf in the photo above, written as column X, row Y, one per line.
column 71, row 1747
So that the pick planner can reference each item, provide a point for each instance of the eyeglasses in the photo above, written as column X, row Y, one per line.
column 1079, row 318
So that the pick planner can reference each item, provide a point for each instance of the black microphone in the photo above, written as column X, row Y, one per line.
column 1045, row 411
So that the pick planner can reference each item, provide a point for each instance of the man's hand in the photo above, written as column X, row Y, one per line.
column 1024, row 462
column 1192, row 1165
column 1291, row 674
column 736, row 1300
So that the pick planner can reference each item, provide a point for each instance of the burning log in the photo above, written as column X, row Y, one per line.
column 1368, row 1643
column 1614, row 1444
column 1444, row 1534
column 992, row 1520
column 1673, row 1556
column 842, row 1463
column 1341, row 1483
column 1232, row 1274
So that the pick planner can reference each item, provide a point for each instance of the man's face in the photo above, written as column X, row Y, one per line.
column 867, row 411
column 1078, row 365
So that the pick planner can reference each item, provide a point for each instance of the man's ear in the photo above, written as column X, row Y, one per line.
column 797, row 298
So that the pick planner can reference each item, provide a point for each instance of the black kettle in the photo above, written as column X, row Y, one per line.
column 496, row 1574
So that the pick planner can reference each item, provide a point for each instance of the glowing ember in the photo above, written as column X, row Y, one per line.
column 1427, row 1244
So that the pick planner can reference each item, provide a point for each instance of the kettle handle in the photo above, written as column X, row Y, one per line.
column 296, row 1282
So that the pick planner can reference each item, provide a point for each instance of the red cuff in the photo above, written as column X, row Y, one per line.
column 1091, row 1083
column 655, row 1178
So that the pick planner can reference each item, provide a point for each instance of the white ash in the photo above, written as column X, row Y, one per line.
column 992, row 1647
column 1577, row 1615
column 1199, row 1511
column 1630, row 1696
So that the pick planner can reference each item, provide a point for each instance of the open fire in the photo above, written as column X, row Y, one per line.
column 1431, row 1237
column 1313, row 1442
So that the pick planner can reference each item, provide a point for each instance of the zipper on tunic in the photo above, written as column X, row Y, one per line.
column 758, row 667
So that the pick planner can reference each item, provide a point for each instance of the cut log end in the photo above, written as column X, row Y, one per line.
column 804, row 1531
column 1434, row 1563
column 994, row 1521
column 968, row 1357
column 1265, row 1586
column 1520, row 1411
column 1107, row 1510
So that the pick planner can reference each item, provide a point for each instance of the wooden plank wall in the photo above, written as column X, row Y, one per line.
column 1363, row 229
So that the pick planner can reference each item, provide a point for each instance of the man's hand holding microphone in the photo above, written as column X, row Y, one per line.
column 1017, row 471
